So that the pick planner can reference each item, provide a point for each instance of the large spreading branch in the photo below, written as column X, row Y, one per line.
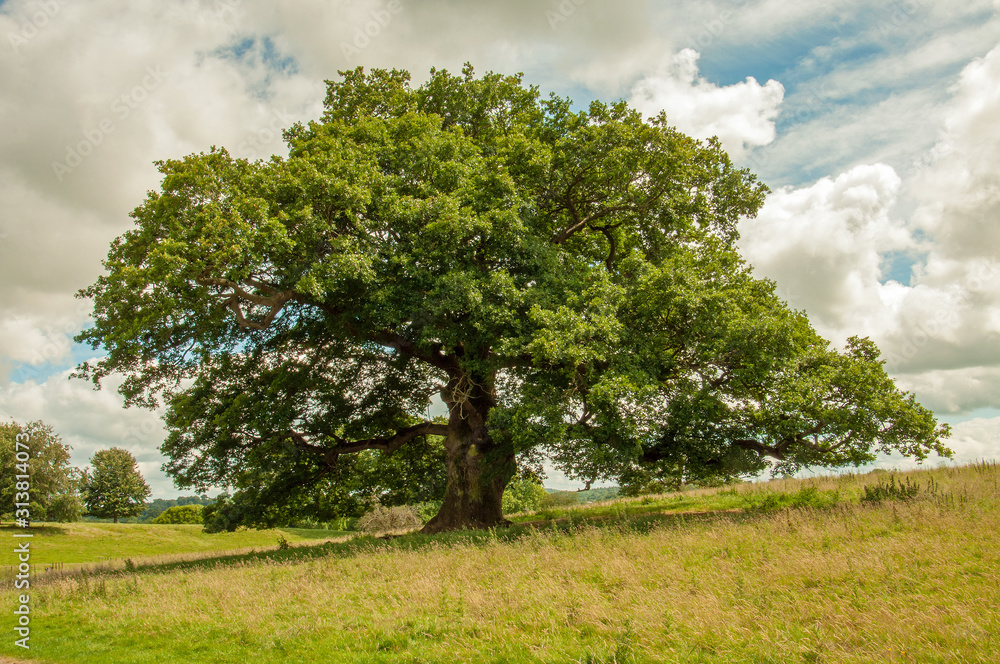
column 274, row 300
column 387, row 444
column 780, row 450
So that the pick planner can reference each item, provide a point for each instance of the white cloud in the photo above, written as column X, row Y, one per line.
column 90, row 420
column 741, row 115
column 822, row 244
column 975, row 440
column 955, row 390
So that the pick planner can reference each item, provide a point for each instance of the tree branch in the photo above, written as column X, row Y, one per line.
column 388, row 445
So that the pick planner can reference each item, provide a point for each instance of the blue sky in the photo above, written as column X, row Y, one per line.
column 874, row 125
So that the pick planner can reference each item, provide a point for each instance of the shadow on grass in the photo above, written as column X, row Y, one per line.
column 415, row 541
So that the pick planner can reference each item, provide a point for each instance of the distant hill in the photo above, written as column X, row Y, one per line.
column 156, row 507
column 588, row 496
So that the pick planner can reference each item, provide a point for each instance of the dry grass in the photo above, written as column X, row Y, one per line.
column 912, row 581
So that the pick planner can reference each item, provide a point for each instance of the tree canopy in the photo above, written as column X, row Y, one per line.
column 114, row 487
column 567, row 281
column 52, row 484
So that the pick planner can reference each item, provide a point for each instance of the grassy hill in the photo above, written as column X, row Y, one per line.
column 787, row 571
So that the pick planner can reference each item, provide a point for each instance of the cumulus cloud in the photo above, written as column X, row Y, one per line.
column 741, row 115
column 960, row 189
column 976, row 439
column 90, row 420
column 823, row 245
column 955, row 390
column 826, row 244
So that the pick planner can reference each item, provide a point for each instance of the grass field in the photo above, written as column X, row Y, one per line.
column 75, row 543
column 789, row 571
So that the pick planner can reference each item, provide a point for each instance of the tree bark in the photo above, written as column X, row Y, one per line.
column 478, row 470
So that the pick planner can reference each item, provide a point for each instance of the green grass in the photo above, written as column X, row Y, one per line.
column 800, row 571
column 74, row 543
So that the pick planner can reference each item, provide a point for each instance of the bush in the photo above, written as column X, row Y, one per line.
column 890, row 490
column 807, row 496
column 560, row 499
column 524, row 493
column 65, row 508
column 382, row 519
column 182, row 514
column 426, row 511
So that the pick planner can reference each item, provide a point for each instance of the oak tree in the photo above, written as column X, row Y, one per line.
column 114, row 487
column 566, row 281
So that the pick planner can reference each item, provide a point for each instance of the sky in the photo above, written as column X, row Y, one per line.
column 876, row 126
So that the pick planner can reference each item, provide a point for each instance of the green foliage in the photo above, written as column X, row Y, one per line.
column 182, row 514
column 807, row 496
column 560, row 499
column 65, row 508
column 52, row 485
column 524, row 493
column 568, row 281
column 114, row 487
column 275, row 493
column 158, row 506
column 890, row 490
column 425, row 511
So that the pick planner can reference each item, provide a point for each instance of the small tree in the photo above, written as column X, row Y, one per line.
column 114, row 487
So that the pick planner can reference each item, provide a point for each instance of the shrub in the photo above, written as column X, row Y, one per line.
column 65, row 508
column 524, row 493
column 382, row 519
column 560, row 499
column 890, row 490
column 182, row 514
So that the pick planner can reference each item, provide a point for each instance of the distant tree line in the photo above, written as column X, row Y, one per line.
column 111, row 487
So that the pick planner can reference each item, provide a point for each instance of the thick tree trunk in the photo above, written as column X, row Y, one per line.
column 478, row 470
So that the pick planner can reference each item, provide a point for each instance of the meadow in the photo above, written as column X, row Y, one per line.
column 858, row 568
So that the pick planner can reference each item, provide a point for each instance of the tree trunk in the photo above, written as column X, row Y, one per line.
column 478, row 470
